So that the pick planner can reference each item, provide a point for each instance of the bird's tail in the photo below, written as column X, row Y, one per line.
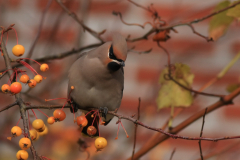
column 92, row 121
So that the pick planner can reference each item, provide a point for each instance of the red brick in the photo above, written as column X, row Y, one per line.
column 72, row 5
column 232, row 112
column 204, row 77
column 235, row 47
column 179, row 46
column 62, row 36
column 148, row 74
column 108, row 8
column 14, row 4
column 181, row 12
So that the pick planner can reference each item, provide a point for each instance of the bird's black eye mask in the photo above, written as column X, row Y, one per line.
column 112, row 56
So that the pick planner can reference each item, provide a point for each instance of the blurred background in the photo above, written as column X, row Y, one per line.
column 60, row 33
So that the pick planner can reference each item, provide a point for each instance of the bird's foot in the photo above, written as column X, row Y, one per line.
column 104, row 111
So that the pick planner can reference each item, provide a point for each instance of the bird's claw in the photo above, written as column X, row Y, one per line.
column 104, row 111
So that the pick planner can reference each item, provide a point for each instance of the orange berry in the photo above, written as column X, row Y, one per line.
column 39, row 125
column 32, row 83
column 22, row 155
column 5, row 88
column 16, row 87
column 24, row 78
column 44, row 67
column 18, row 50
column 16, row 131
column 33, row 134
column 59, row 115
column 100, row 143
column 91, row 130
column 50, row 120
column 82, row 121
column 43, row 133
column 25, row 143
column 38, row 78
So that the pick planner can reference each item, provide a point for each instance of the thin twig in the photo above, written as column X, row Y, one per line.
column 130, row 24
column 29, row 55
column 199, row 142
column 225, row 101
column 178, row 83
column 228, row 99
column 135, row 132
column 9, row 106
column 74, row 16
column 174, row 150
column 60, row 55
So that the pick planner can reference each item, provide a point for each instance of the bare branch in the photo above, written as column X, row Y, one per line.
column 74, row 16
column 9, row 106
column 29, row 55
column 130, row 24
column 189, row 121
column 199, row 142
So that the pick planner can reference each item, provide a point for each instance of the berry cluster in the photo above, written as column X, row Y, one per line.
column 82, row 121
column 15, row 87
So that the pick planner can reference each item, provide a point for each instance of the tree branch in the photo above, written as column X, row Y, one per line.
column 74, row 16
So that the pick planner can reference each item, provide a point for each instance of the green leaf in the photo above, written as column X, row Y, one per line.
column 220, row 22
column 170, row 93
column 234, row 12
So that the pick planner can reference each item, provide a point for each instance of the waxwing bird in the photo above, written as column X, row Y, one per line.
column 98, row 79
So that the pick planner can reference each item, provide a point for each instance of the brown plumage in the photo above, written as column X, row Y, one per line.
column 98, row 78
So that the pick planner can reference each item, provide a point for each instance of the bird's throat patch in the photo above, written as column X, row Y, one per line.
column 113, row 66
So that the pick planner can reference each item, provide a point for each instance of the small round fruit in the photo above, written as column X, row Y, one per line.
column 43, row 133
column 38, row 78
column 5, row 88
column 100, row 143
column 16, row 87
column 24, row 78
column 44, row 67
column 50, row 120
column 18, row 50
column 82, row 121
column 22, row 155
column 91, row 130
column 32, row 83
column 25, row 143
column 59, row 115
column 33, row 134
column 16, row 131
column 39, row 125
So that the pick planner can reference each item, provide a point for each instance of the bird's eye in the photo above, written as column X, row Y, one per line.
column 111, row 54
